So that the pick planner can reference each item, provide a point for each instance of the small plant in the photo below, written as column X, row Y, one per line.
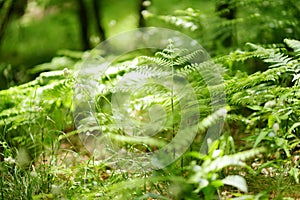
column 206, row 176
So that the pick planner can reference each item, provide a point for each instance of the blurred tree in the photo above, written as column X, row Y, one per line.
column 85, row 23
column 8, row 9
column 1, row 153
column 83, row 19
column 142, row 6
column 97, row 9
column 227, row 10
column 88, row 13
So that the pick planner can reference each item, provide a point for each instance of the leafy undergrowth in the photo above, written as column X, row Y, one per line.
column 257, row 157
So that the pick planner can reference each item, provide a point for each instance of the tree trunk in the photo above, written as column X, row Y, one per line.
column 142, row 6
column 83, row 19
column 6, row 17
column 228, row 12
column 97, row 7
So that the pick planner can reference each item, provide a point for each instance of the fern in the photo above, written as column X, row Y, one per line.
column 270, row 22
column 27, row 111
column 205, row 176
column 141, row 86
column 295, row 44
column 282, row 67
column 263, row 101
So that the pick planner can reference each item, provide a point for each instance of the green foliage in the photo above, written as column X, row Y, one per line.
column 264, row 105
column 262, row 92
column 206, row 176
column 267, row 103
column 201, row 179
column 233, row 23
column 36, row 112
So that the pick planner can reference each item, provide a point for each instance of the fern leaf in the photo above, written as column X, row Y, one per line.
column 295, row 44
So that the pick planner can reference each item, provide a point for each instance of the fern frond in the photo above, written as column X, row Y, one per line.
column 295, row 44
column 55, row 89
column 158, row 61
column 212, row 119
column 36, row 99
column 185, row 22
column 197, row 56
column 278, row 59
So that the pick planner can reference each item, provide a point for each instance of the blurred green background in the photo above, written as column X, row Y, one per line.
column 34, row 31
column 48, row 26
